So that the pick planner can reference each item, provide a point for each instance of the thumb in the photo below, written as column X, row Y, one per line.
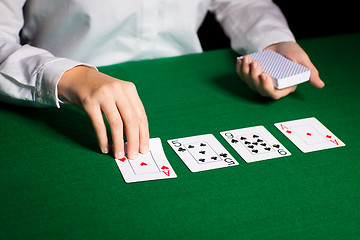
column 314, row 73
column 315, row 78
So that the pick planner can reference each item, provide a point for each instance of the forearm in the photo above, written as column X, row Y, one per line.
column 29, row 75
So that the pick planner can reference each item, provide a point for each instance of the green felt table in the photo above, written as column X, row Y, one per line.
column 54, row 183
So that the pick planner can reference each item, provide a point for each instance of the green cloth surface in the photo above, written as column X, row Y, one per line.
column 54, row 183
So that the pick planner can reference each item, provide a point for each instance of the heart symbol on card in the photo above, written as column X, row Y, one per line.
column 143, row 164
column 122, row 159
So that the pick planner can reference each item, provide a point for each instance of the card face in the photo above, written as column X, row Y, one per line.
column 285, row 73
column 201, row 153
column 309, row 134
column 151, row 166
column 255, row 144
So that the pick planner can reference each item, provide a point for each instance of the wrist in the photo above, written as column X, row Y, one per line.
column 70, row 78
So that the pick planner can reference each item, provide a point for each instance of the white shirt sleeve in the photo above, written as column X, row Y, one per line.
column 28, row 75
column 251, row 25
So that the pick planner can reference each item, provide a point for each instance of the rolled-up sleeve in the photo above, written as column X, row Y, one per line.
column 252, row 25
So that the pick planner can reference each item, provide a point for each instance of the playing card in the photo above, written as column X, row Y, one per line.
column 309, row 134
column 255, row 144
column 201, row 153
column 151, row 166
column 285, row 73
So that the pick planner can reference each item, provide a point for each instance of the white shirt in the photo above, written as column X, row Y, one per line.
column 41, row 39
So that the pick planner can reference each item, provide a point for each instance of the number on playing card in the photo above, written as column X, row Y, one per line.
column 255, row 144
column 202, row 152
column 309, row 134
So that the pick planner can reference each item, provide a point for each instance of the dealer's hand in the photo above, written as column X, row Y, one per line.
column 250, row 71
column 99, row 94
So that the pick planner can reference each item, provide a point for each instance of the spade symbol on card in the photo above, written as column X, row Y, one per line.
column 255, row 151
column 190, row 146
column 276, row 146
column 181, row 149
column 202, row 160
column 243, row 138
column 223, row 155
column 202, row 144
column 214, row 158
column 202, row 152
column 268, row 149
column 255, row 136
column 234, row 141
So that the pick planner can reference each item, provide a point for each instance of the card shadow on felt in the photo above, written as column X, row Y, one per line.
column 68, row 121
column 235, row 86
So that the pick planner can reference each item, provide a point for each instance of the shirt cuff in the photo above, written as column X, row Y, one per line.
column 48, row 77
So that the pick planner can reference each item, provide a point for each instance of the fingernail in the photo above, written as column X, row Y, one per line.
column 119, row 155
column 254, row 65
column 263, row 77
column 246, row 59
column 105, row 150
column 133, row 155
column 144, row 149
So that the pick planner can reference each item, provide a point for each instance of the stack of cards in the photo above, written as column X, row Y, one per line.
column 285, row 73
column 205, row 152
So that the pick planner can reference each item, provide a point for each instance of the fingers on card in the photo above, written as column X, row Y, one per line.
column 201, row 153
column 151, row 166
column 285, row 73
column 309, row 134
column 255, row 144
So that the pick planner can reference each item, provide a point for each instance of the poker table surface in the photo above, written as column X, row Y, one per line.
column 55, row 184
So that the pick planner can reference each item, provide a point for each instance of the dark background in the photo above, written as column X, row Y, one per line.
column 306, row 19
